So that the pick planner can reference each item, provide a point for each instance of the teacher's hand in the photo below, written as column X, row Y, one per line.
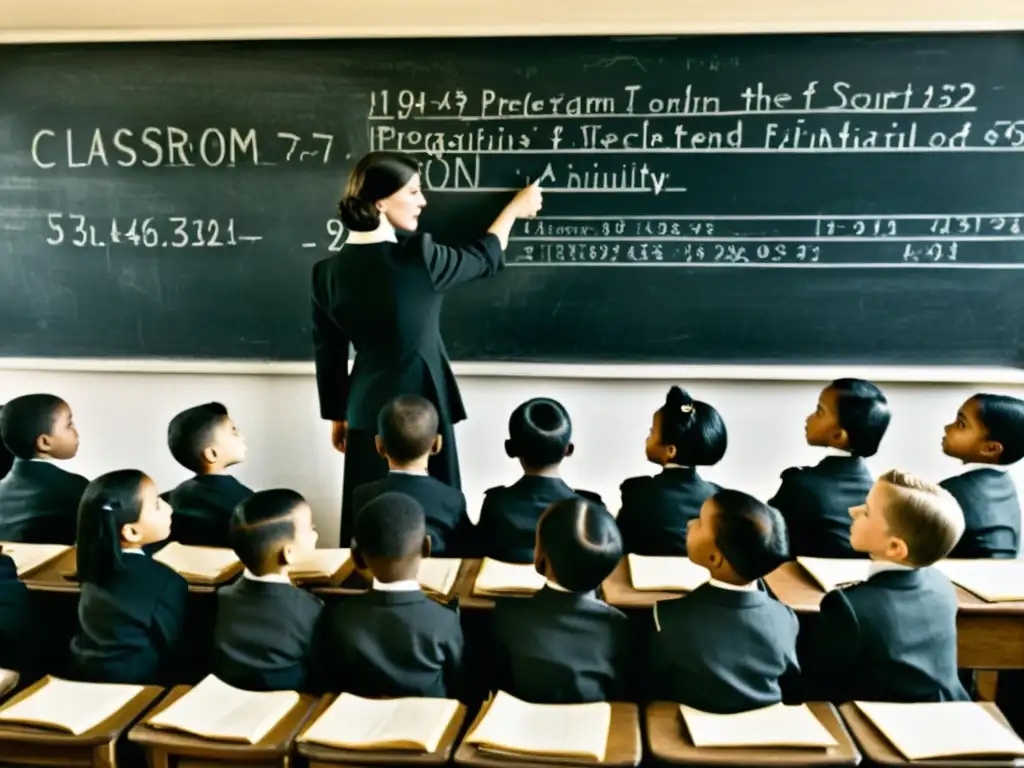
column 528, row 201
column 339, row 435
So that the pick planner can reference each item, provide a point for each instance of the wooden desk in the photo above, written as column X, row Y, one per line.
column 669, row 742
column 879, row 750
column 27, row 745
column 624, row 747
column 272, row 752
column 989, row 635
column 328, row 757
column 617, row 590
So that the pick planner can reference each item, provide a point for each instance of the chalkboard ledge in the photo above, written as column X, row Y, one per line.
column 721, row 372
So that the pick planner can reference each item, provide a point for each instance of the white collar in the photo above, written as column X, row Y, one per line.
column 411, row 472
column 880, row 566
column 384, row 233
column 751, row 587
column 270, row 578
column 408, row 585
column 40, row 458
column 971, row 466
column 670, row 465
column 132, row 551
column 555, row 586
column 838, row 452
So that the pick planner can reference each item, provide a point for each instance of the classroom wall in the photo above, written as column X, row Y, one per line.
column 122, row 418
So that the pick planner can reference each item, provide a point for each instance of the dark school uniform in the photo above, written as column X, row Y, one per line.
column 507, row 526
column 202, row 509
column 39, row 503
column 448, row 524
column 385, row 300
column 656, row 510
column 263, row 638
column 723, row 650
column 560, row 647
column 392, row 643
column 988, row 497
column 132, row 625
column 816, row 502
column 889, row 638
column 18, row 625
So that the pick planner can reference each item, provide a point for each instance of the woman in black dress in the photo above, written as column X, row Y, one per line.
column 382, row 293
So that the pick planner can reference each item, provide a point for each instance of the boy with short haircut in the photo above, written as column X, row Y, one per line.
column 407, row 437
column 38, row 499
column 393, row 640
column 564, row 645
column 540, row 436
column 987, row 436
column 728, row 646
column 265, row 626
column 893, row 636
column 205, row 440
column 850, row 421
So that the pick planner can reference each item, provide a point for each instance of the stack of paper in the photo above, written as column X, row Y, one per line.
column 438, row 574
column 776, row 725
column 665, row 574
column 322, row 565
column 497, row 578
column 69, row 706
column 543, row 730
column 215, row 710
column 833, row 572
column 946, row 729
column 995, row 581
column 409, row 725
column 29, row 557
column 200, row 565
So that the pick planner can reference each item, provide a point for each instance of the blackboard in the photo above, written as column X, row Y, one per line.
column 785, row 199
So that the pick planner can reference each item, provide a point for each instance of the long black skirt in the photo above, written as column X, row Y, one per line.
column 364, row 465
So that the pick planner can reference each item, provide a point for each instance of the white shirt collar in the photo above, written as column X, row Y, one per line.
column 409, row 585
column 838, row 452
column 880, row 566
column 384, row 233
column 670, row 465
column 971, row 466
column 751, row 587
column 555, row 586
column 413, row 472
column 270, row 578
column 132, row 551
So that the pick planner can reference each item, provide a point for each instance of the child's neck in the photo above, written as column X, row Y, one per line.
column 552, row 470
column 416, row 466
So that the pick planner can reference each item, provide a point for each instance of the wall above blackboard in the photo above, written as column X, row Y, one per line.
column 791, row 199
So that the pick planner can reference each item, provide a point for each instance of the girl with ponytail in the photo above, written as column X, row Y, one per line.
column 131, row 608
column 685, row 434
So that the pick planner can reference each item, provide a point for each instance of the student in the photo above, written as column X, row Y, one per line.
column 564, row 645
column 407, row 437
column 685, row 433
column 540, row 436
column 206, row 441
column 393, row 640
column 850, row 421
column 6, row 457
column 132, row 608
column 728, row 646
column 987, row 436
column 38, row 499
column 18, row 626
column 893, row 636
column 265, row 625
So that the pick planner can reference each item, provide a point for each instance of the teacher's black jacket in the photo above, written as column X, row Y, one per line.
column 385, row 298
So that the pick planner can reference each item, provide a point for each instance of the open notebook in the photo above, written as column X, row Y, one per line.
column 29, row 557
column 831, row 573
column 947, row 729
column 995, row 581
column 408, row 725
column 322, row 565
column 776, row 725
column 438, row 574
column 665, row 574
column 217, row 711
column 516, row 727
column 200, row 565
column 68, row 706
column 497, row 578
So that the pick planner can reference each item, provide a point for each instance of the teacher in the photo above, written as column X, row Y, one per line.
column 382, row 293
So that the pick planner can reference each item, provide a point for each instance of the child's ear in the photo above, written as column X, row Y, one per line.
column 670, row 452
column 841, row 439
column 358, row 559
column 510, row 450
column 897, row 549
column 992, row 450
column 379, row 445
column 425, row 550
column 569, row 450
column 289, row 554
column 209, row 454
column 436, row 448
column 131, row 534
column 43, row 444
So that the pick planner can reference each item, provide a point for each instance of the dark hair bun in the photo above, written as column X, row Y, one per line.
column 357, row 214
column 680, row 405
